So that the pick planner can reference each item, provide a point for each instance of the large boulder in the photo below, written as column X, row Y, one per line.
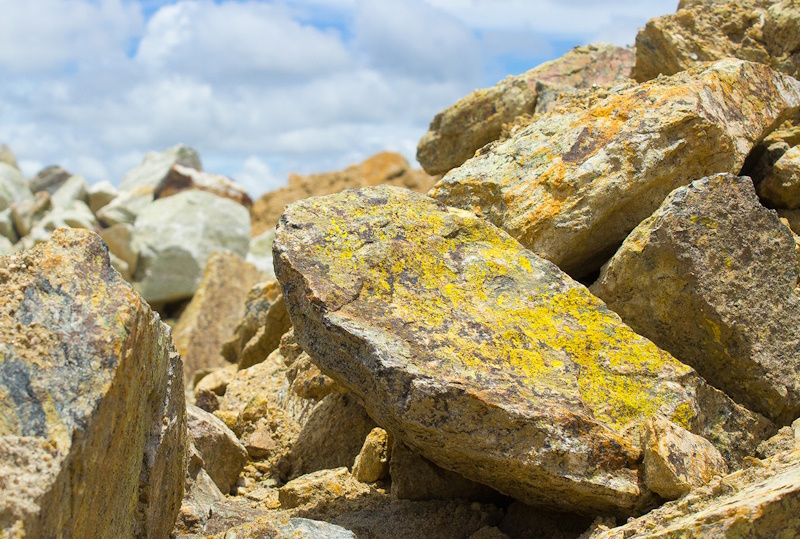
column 573, row 184
column 214, row 312
column 479, row 355
column 92, row 410
column 765, row 31
column 711, row 277
column 476, row 120
column 13, row 187
column 175, row 236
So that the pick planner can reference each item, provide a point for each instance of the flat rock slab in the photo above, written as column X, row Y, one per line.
column 475, row 352
column 711, row 277
column 92, row 410
column 573, row 184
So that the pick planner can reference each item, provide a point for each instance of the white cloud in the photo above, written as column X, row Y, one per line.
column 256, row 176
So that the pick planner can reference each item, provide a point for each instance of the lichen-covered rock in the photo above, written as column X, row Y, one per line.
column 156, row 166
column 214, row 312
column 780, row 187
column 320, row 488
column 476, row 353
column 372, row 462
column 763, row 31
column 711, row 277
column 176, row 235
column 181, row 178
column 675, row 460
column 223, row 455
column 92, row 414
column 573, row 184
column 476, row 120
column 13, row 187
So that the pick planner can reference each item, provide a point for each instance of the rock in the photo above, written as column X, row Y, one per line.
column 259, row 331
column 156, row 166
column 711, row 277
column 676, row 461
column 524, row 522
column 74, row 188
column 92, row 419
column 780, row 443
column 266, row 379
column 212, row 315
column 27, row 212
column 332, row 436
column 101, row 194
column 780, row 188
column 415, row 478
column 176, row 235
column 382, row 168
column 223, row 455
column 573, row 184
column 476, row 120
column 260, row 253
column 489, row 532
column 76, row 215
column 119, row 239
column 763, row 31
column 7, row 229
column 181, row 178
column 208, row 390
column 482, row 357
column 49, row 179
column 124, row 208
column 321, row 487
column 8, row 157
column 288, row 528
column 13, row 187
column 372, row 462
column 308, row 382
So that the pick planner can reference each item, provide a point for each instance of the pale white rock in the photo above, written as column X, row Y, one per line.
column 155, row 166
column 100, row 194
column 13, row 187
column 259, row 253
column 75, row 188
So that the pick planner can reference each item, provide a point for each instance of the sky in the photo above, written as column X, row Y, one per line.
column 264, row 88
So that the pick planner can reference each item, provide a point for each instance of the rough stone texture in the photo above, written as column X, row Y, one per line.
column 476, row 120
column 780, row 187
column 308, row 382
column 763, row 31
column 675, row 460
column 8, row 157
column 332, row 436
column 13, row 187
column 320, row 487
column 382, row 168
column 223, row 455
column 573, row 184
column 266, row 379
column 214, row 312
column 176, row 235
column 49, row 179
column 156, row 166
column 92, row 416
column 287, row 528
column 711, row 277
column 100, row 194
column 524, row 522
column 76, row 215
column 259, row 331
column 372, row 462
column 416, row 478
column 211, row 387
column 476, row 353
column 181, row 178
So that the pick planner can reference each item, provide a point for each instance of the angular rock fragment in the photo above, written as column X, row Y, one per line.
column 711, row 277
column 27, row 212
column 321, row 487
column 156, row 166
column 223, row 455
column 287, row 528
column 780, row 187
column 49, row 179
column 125, row 207
column 100, row 194
column 573, row 184
column 13, row 187
column 74, row 188
column 208, row 389
column 181, row 178
column 92, row 413
column 476, row 120
column 476, row 353
column 212, row 315
column 372, row 462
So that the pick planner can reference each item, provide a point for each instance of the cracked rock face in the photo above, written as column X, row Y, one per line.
column 573, row 184
column 92, row 410
column 476, row 353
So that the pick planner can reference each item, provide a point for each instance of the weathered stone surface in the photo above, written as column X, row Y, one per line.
column 675, row 460
column 287, row 528
column 524, row 522
column 372, row 462
column 573, row 184
column 76, row 215
column 259, row 331
column 181, row 178
column 780, row 187
column 476, row 120
column 260, row 253
column 711, row 277
column 321, row 487
column 100, row 194
column 92, row 416
column 7, row 228
column 155, row 166
column 119, row 239
column 49, row 179
column 74, row 188
column 176, row 235
column 382, row 168
column 308, row 382
column 13, row 187
column 208, row 390
column 763, row 31
column 125, row 207
column 476, row 353
column 8, row 157
column 223, row 455
column 266, row 379
column 26, row 212
column 214, row 312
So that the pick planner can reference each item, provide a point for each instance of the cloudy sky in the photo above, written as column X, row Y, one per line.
column 262, row 88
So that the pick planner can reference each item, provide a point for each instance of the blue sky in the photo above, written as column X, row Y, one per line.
column 264, row 88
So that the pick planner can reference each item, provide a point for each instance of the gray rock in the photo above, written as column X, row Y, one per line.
column 124, row 208
column 76, row 215
column 75, row 188
column 26, row 213
column 13, row 187
column 175, row 236
column 711, row 277
column 223, row 455
column 156, row 166
column 260, row 253
column 49, row 179
column 7, row 228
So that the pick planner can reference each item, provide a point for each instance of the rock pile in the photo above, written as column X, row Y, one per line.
column 427, row 366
